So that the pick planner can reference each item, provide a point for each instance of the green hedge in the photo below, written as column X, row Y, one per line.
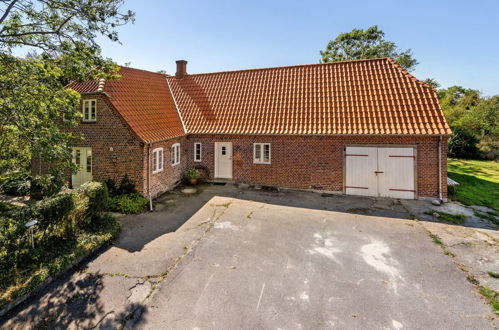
column 69, row 224
column 16, row 184
column 98, row 196
column 38, row 186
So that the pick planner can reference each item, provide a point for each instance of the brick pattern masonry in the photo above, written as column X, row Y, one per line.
column 303, row 162
column 315, row 162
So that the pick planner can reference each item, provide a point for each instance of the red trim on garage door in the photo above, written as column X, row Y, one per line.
column 397, row 156
column 402, row 190
column 356, row 187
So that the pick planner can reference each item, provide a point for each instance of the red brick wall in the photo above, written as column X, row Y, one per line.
column 166, row 180
column 444, row 167
column 109, row 131
column 128, row 154
column 314, row 162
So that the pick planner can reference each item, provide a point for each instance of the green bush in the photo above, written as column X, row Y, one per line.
column 127, row 186
column 16, row 184
column 130, row 203
column 13, row 240
column 98, row 196
column 39, row 186
column 111, row 187
column 462, row 144
column 192, row 173
column 45, row 185
column 52, row 213
column 69, row 226
column 5, row 208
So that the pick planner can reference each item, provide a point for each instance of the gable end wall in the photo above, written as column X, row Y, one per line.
column 110, row 131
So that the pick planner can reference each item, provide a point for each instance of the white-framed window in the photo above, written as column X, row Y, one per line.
column 261, row 153
column 175, row 154
column 89, row 110
column 157, row 160
column 197, row 151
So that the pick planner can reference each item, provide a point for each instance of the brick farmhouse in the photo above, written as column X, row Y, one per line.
column 364, row 127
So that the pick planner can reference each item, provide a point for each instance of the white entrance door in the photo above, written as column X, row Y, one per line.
column 380, row 171
column 82, row 157
column 223, row 160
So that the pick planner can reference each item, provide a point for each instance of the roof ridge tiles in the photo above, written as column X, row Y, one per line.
column 146, row 71
column 371, row 96
column 289, row 66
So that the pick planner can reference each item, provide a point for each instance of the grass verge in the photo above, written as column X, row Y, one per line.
column 438, row 241
column 457, row 219
column 493, row 274
column 491, row 296
column 486, row 216
column 50, row 262
column 478, row 182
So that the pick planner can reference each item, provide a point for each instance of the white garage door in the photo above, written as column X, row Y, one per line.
column 380, row 171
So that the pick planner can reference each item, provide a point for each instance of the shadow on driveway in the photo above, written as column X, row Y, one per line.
column 173, row 209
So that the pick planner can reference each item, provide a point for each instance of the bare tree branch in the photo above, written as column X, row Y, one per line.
column 7, row 11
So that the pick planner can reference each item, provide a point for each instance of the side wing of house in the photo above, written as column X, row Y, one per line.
column 132, row 132
column 109, row 149
column 363, row 127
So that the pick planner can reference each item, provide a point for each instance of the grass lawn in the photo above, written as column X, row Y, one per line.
column 478, row 182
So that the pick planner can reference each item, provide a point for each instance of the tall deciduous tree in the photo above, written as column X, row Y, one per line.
column 432, row 83
column 474, row 120
column 365, row 44
column 59, row 37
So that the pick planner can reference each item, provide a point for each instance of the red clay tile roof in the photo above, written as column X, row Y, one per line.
column 144, row 101
column 353, row 97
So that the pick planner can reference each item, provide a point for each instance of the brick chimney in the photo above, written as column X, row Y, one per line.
column 181, row 68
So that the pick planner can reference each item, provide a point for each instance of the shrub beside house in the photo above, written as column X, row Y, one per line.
column 69, row 225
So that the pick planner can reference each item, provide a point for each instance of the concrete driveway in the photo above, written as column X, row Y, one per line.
column 243, row 259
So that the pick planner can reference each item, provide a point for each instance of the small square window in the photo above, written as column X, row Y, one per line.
column 89, row 110
column 197, row 152
column 261, row 153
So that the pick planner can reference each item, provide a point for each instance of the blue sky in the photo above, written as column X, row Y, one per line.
column 456, row 42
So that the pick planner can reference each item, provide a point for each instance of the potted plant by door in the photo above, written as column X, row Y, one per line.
column 192, row 175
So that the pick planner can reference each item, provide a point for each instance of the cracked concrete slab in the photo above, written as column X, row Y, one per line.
column 292, row 268
column 419, row 210
column 476, row 250
column 80, row 300
column 243, row 258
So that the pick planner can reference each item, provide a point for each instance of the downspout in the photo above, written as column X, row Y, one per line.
column 149, row 176
column 440, row 168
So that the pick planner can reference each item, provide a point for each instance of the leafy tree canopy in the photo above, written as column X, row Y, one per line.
column 59, row 38
column 365, row 44
column 432, row 83
column 474, row 119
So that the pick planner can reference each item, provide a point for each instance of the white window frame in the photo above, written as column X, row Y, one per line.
column 89, row 119
column 261, row 160
column 196, row 144
column 158, row 160
column 175, row 154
